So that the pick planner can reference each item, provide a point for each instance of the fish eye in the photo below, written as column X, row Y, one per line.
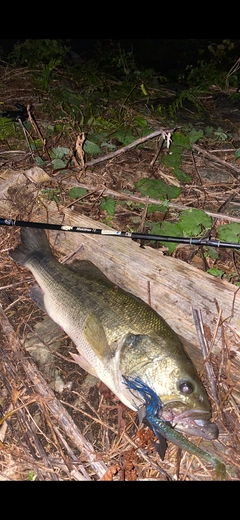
column 185, row 387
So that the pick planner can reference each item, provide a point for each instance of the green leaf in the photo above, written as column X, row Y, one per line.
column 157, row 207
column 192, row 221
column 59, row 152
column 141, row 121
column 125, row 136
column 171, row 229
column 58, row 128
column 91, row 148
column 76, row 192
column 209, row 129
column 97, row 137
column 174, row 158
column 229, row 232
column 195, row 135
column 36, row 144
column 7, row 128
column 58, row 163
column 39, row 161
column 181, row 176
column 144, row 90
column 145, row 131
column 167, row 229
column 157, row 188
column 237, row 154
column 211, row 252
column 215, row 272
column 109, row 206
column 51, row 194
column 156, row 229
column 181, row 140
column 31, row 475
column 222, row 136
column 109, row 146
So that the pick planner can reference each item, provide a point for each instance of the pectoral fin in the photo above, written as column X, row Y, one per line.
column 81, row 361
column 96, row 337
column 36, row 294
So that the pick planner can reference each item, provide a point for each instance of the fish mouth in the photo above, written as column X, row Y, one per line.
column 193, row 422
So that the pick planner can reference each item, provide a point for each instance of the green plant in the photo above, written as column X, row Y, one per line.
column 47, row 71
column 166, row 229
column 108, row 221
column 186, row 95
column 211, row 253
column 7, row 128
column 216, row 135
column 72, row 103
column 194, row 221
column 191, row 223
column 229, row 232
column 76, row 192
column 181, row 142
column 214, row 271
column 115, row 59
column 125, row 136
column 213, row 64
column 51, row 194
column 173, row 159
column 108, row 205
column 157, row 189
column 31, row 476
column 218, row 50
column 91, row 148
column 237, row 154
column 220, row 135
column 59, row 156
column 36, row 52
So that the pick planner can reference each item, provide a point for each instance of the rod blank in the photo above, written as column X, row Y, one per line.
column 113, row 232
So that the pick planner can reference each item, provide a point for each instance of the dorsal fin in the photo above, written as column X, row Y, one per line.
column 88, row 269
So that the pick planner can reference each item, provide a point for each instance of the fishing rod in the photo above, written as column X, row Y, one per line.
column 112, row 232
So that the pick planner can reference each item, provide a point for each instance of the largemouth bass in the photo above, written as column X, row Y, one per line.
column 117, row 334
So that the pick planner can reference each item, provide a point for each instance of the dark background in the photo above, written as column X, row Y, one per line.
column 165, row 56
column 160, row 54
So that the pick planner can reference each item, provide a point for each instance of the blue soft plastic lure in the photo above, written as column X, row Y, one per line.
column 153, row 405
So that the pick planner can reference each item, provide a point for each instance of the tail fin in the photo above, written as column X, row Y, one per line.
column 34, row 240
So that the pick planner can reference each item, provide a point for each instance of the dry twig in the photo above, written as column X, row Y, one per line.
column 234, row 170
column 162, row 131
column 197, row 316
